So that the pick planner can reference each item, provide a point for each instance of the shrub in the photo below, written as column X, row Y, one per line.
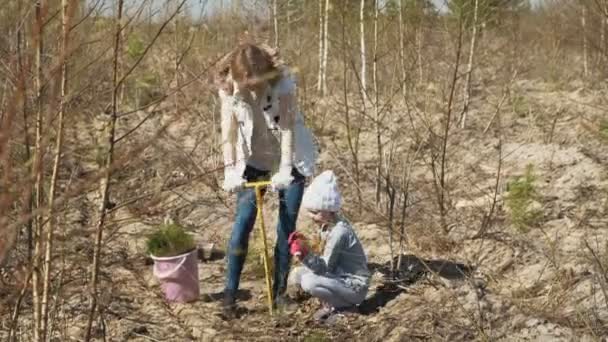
column 170, row 240
column 521, row 107
column 135, row 47
column 521, row 194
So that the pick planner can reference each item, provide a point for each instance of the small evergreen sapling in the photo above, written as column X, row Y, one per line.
column 170, row 240
column 521, row 195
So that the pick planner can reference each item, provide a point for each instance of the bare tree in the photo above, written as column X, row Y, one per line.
column 402, row 50
column 288, row 19
column 325, row 47
column 28, row 194
column 353, row 131
column 419, row 43
column 40, row 11
column 363, row 59
column 440, row 172
column 377, row 107
column 67, row 8
column 320, row 85
column 602, row 37
column 107, row 169
column 602, row 6
column 275, row 20
column 584, row 33
column 467, row 82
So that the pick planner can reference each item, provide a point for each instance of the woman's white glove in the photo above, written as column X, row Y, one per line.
column 281, row 180
column 233, row 182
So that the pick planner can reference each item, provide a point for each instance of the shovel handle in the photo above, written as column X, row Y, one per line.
column 257, row 184
column 260, row 218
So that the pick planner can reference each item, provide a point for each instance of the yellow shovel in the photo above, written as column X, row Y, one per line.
column 259, row 199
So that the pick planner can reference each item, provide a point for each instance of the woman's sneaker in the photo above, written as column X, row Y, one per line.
column 229, row 306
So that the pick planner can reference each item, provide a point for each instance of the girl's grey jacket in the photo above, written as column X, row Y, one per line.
column 343, row 257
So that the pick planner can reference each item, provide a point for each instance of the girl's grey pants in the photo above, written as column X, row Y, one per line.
column 335, row 291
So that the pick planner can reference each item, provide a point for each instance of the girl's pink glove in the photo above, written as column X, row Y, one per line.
column 297, row 245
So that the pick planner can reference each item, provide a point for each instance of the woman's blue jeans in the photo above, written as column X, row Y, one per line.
column 244, row 221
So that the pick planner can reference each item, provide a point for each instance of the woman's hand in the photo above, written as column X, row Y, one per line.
column 233, row 182
column 282, row 179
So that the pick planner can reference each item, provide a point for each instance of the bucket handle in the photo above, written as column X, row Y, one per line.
column 160, row 274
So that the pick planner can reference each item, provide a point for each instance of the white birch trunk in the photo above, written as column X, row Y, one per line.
column 320, row 75
column 325, row 48
column 275, row 20
column 467, row 83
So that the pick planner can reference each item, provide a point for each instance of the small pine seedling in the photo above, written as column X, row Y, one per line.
column 170, row 240
column 521, row 194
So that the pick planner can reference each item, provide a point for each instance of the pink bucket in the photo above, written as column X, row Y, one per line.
column 178, row 276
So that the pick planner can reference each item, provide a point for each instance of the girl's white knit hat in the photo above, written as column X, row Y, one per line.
column 323, row 193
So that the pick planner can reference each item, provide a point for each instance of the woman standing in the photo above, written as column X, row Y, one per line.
column 263, row 138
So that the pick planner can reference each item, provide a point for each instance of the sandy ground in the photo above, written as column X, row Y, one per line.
column 546, row 284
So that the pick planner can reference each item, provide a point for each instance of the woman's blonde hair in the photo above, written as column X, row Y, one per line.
column 247, row 63
column 251, row 65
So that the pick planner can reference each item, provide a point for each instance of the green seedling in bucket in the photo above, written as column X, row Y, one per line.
column 170, row 240
column 175, row 262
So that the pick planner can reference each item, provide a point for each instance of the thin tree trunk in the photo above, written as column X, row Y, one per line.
column 9, row 104
column 40, row 8
column 15, row 316
column 405, row 188
column 603, row 26
column 402, row 51
column 320, row 75
column 467, row 83
column 444, row 144
column 419, row 37
column 603, row 38
column 363, row 59
column 27, row 209
column 325, row 47
column 288, row 19
column 176, row 66
column 105, row 185
column 585, row 52
column 391, row 191
column 352, row 145
column 66, row 13
column 275, row 20
column 376, row 107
